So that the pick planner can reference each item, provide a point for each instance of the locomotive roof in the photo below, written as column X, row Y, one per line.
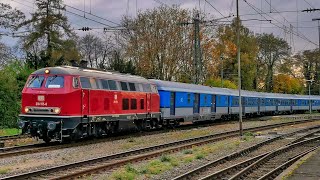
column 76, row 71
column 184, row 87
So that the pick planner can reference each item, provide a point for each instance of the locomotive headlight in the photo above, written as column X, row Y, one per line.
column 57, row 110
column 51, row 125
column 26, row 109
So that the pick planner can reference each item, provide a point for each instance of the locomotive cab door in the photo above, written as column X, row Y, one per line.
column 148, row 102
column 85, row 102
column 196, row 103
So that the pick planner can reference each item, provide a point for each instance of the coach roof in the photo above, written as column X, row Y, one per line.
column 76, row 71
column 184, row 87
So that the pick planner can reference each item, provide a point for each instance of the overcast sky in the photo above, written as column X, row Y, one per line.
column 113, row 10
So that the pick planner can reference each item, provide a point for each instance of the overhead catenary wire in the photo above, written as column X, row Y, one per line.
column 293, row 32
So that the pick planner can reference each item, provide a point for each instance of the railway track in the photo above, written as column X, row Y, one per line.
column 228, row 166
column 272, row 164
column 91, row 166
column 42, row 147
column 13, row 137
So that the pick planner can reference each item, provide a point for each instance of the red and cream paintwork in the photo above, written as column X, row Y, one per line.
column 73, row 111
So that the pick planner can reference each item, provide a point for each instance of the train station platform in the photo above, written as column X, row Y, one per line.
column 307, row 168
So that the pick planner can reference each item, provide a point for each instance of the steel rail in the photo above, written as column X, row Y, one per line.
column 12, row 137
column 190, row 174
column 271, row 155
column 275, row 172
column 140, row 154
column 42, row 147
column 232, row 169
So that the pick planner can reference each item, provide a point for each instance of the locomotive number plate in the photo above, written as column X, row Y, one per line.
column 40, row 98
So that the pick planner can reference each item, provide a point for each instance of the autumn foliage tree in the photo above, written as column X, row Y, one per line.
column 287, row 84
column 226, row 45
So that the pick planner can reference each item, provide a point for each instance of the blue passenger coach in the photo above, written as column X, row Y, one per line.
column 191, row 103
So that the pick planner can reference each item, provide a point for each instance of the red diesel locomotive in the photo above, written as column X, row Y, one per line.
column 66, row 103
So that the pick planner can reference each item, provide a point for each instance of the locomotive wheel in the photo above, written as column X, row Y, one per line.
column 47, row 140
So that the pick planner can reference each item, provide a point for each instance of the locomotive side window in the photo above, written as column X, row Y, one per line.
column 141, row 103
column 55, row 82
column 85, row 83
column 75, row 82
column 133, row 104
column 124, row 86
column 112, row 85
column 154, row 89
column 132, row 87
column 93, row 83
column 105, row 84
column 35, row 82
column 146, row 88
column 140, row 87
column 125, row 104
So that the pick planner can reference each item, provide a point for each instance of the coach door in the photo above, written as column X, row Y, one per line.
column 243, row 102
column 196, row 103
column 85, row 102
column 213, row 103
column 172, row 103
column 259, row 105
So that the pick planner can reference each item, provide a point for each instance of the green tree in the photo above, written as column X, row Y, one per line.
column 309, row 60
column 226, row 46
column 216, row 82
column 285, row 84
column 12, row 79
column 50, row 29
column 271, row 50
column 119, row 64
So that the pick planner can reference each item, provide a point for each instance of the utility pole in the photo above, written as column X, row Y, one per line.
column 221, row 58
column 197, row 50
column 318, row 19
column 239, row 70
column 197, row 62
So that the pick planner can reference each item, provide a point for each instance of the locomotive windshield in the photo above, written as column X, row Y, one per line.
column 35, row 82
column 55, row 82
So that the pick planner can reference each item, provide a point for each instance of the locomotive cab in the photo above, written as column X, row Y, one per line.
column 50, row 104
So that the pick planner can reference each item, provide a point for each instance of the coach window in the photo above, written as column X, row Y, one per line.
column 85, row 83
column 133, row 104
column 124, row 86
column 141, row 103
column 75, row 82
column 125, row 104
column 132, row 87
column 104, row 83
column 112, row 85
column 189, row 98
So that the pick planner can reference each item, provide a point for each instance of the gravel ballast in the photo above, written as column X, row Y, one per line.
column 31, row 162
